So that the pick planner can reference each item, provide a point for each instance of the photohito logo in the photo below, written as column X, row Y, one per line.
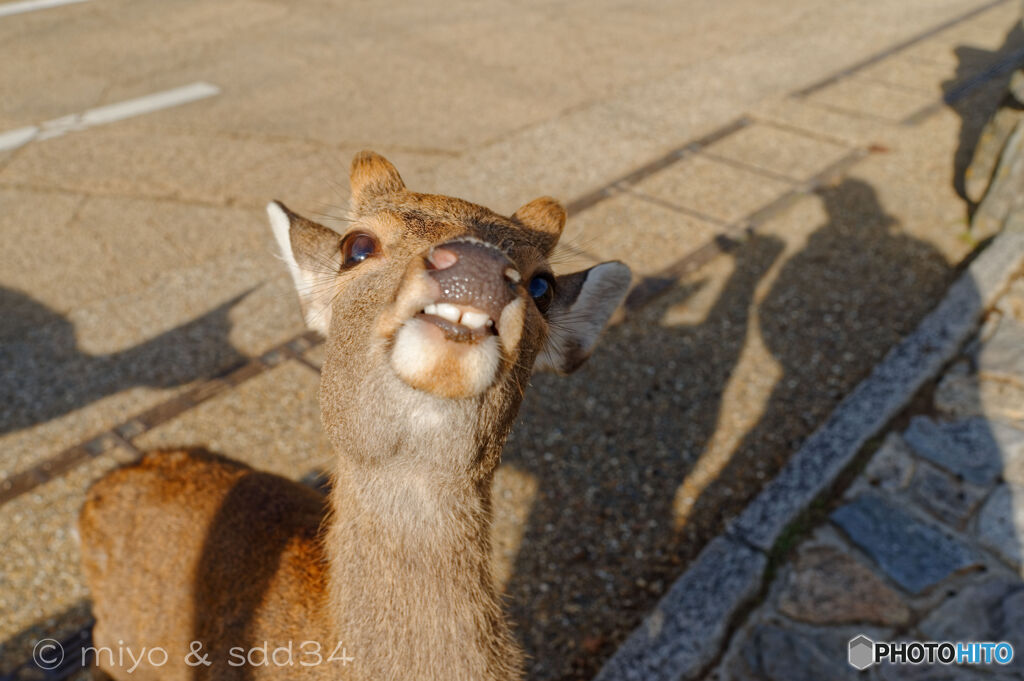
column 863, row 652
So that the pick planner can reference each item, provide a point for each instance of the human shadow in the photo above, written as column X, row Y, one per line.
column 45, row 374
column 854, row 291
column 974, row 98
column 612, row 449
column 598, row 540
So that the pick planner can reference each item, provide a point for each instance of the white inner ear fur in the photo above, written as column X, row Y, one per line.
column 580, row 325
column 281, row 226
column 316, row 314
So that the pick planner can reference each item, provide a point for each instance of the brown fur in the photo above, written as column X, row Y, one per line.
column 188, row 546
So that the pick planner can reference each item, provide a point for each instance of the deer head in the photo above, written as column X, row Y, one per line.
column 436, row 311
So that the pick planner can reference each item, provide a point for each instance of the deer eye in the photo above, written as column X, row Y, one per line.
column 542, row 290
column 357, row 247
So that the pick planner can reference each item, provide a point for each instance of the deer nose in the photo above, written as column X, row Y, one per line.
column 474, row 274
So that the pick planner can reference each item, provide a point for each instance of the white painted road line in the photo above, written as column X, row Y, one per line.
column 12, row 139
column 10, row 8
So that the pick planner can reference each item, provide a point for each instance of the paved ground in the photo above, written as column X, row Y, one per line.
column 923, row 545
column 139, row 264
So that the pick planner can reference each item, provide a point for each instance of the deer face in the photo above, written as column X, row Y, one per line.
column 444, row 297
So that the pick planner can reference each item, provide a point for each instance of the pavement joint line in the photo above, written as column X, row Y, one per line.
column 71, row 645
column 126, row 432
column 12, row 8
column 126, row 443
column 87, row 194
column 634, row 177
column 651, row 286
column 812, row 134
column 902, row 87
column 853, row 113
column 1013, row 61
column 302, row 359
column 1008, row 63
column 894, row 49
column 924, row 113
column 749, row 167
column 110, row 113
column 675, row 207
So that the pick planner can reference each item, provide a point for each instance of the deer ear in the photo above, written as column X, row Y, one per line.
column 544, row 215
column 312, row 253
column 371, row 176
column 583, row 304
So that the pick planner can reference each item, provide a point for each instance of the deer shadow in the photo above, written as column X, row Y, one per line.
column 613, row 450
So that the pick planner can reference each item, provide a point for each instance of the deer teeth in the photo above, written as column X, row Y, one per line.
column 448, row 311
column 474, row 320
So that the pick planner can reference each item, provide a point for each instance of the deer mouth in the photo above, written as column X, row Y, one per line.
column 459, row 323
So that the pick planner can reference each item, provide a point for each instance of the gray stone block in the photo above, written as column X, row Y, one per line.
column 1001, row 523
column 988, row 611
column 914, row 554
column 966, row 448
column 685, row 631
column 776, row 653
column 948, row 499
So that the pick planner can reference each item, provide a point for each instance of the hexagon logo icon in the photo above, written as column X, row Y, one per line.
column 862, row 652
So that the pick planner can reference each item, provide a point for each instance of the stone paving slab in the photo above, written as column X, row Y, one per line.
column 130, row 160
column 719, row 190
column 969, row 449
column 914, row 554
column 829, row 586
column 660, row 233
column 779, row 151
column 915, row 74
column 871, row 99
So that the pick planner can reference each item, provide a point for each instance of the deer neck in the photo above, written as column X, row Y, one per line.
column 409, row 550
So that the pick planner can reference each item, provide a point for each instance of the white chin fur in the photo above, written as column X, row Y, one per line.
column 426, row 360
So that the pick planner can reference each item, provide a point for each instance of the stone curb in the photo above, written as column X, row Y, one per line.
column 684, row 633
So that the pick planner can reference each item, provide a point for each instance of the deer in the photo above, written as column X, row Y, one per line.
column 435, row 313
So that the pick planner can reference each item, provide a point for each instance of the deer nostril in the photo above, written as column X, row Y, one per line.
column 441, row 259
column 473, row 274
